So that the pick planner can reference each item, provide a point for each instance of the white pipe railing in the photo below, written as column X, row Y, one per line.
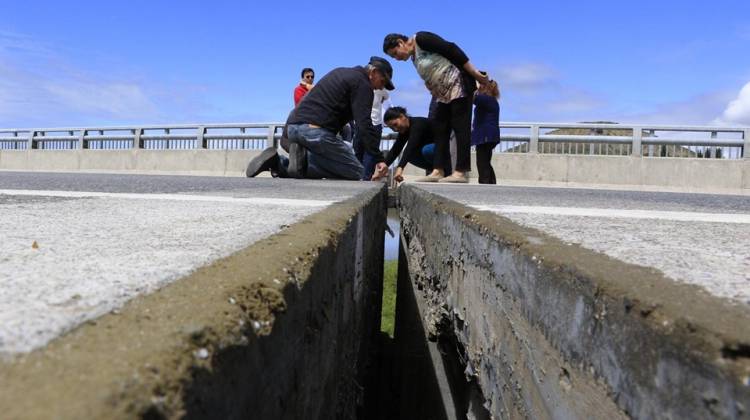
column 236, row 135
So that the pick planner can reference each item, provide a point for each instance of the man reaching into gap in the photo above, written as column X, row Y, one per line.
column 315, row 151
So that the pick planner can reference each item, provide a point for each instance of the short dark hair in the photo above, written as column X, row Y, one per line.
column 394, row 112
column 391, row 41
column 307, row 70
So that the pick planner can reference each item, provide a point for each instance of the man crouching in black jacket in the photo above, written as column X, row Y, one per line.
column 315, row 152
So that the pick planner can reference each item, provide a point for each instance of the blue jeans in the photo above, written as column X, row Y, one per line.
column 328, row 156
column 368, row 161
column 424, row 159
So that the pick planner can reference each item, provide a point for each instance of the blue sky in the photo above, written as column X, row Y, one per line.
column 148, row 62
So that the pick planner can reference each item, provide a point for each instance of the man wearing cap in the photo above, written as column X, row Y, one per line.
column 315, row 152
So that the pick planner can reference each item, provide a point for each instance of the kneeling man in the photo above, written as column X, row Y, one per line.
column 315, row 151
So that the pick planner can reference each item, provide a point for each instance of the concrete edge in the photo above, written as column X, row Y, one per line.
column 409, row 179
column 153, row 356
column 707, row 333
column 728, row 176
column 203, row 162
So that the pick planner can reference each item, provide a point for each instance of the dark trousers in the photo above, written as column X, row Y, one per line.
column 368, row 161
column 328, row 156
column 484, row 163
column 456, row 117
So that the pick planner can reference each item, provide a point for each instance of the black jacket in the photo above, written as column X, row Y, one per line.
column 342, row 95
column 419, row 134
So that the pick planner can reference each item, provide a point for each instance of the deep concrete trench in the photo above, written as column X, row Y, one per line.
column 497, row 320
column 492, row 320
column 419, row 375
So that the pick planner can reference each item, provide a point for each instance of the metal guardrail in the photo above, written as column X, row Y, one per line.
column 188, row 136
column 516, row 137
column 639, row 140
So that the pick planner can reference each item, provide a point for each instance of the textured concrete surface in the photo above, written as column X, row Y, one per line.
column 282, row 328
column 697, row 239
column 548, row 329
column 166, row 184
column 175, row 162
column 682, row 174
column 68, row 260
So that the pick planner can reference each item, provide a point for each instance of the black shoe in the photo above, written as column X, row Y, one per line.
column 297, row 161
column 267, row 160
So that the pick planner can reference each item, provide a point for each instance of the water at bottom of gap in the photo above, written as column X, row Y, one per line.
column 391, row 242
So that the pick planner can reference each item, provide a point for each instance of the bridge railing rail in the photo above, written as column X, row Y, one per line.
column 516, row 137
column 625, row 140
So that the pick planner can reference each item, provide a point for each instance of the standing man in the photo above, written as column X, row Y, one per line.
column 315, row 151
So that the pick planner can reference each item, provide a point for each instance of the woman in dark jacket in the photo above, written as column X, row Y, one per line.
column 415, row 138
column 451, row 78
column 485, row 133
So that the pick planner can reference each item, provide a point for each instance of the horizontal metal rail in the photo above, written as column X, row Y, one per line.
column 637, row 139
column 626, row 140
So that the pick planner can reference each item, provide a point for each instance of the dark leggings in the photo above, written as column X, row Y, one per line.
column 484, row 163
column 456, row 117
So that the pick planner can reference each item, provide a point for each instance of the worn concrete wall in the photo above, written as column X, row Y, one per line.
column 173, row 162
column 550, row 330
column 680, row 173
column 283, row 329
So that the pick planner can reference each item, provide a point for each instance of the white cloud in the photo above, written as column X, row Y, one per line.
column 738, row 110
column 696, row 110
column 537, row 92
column 413, row 95
column 529, row 91
column 41, row 87
column 120, row 100
column 528, row 77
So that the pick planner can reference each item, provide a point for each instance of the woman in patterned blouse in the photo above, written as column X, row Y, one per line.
column 451, row 78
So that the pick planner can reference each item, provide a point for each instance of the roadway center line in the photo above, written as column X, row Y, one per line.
column 681, row 216
column 171, row 197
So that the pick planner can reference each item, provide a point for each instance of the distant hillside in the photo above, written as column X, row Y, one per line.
column 584, row 148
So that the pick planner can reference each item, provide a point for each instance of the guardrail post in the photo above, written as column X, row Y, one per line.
column 166, row 142
column 637, row 138
column 534, row 139
column 200, row 141
column 271, row 139
column 32, row 144
column 746, row 146
column 82, row 140
column 712, row 149
column 137, row 142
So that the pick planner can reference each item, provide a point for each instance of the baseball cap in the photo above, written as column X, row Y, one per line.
column 384, row 66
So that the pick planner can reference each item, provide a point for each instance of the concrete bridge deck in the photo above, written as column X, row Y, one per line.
column 565, row 303
column 133, row 296
column 137, row 296
column 699, row 239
